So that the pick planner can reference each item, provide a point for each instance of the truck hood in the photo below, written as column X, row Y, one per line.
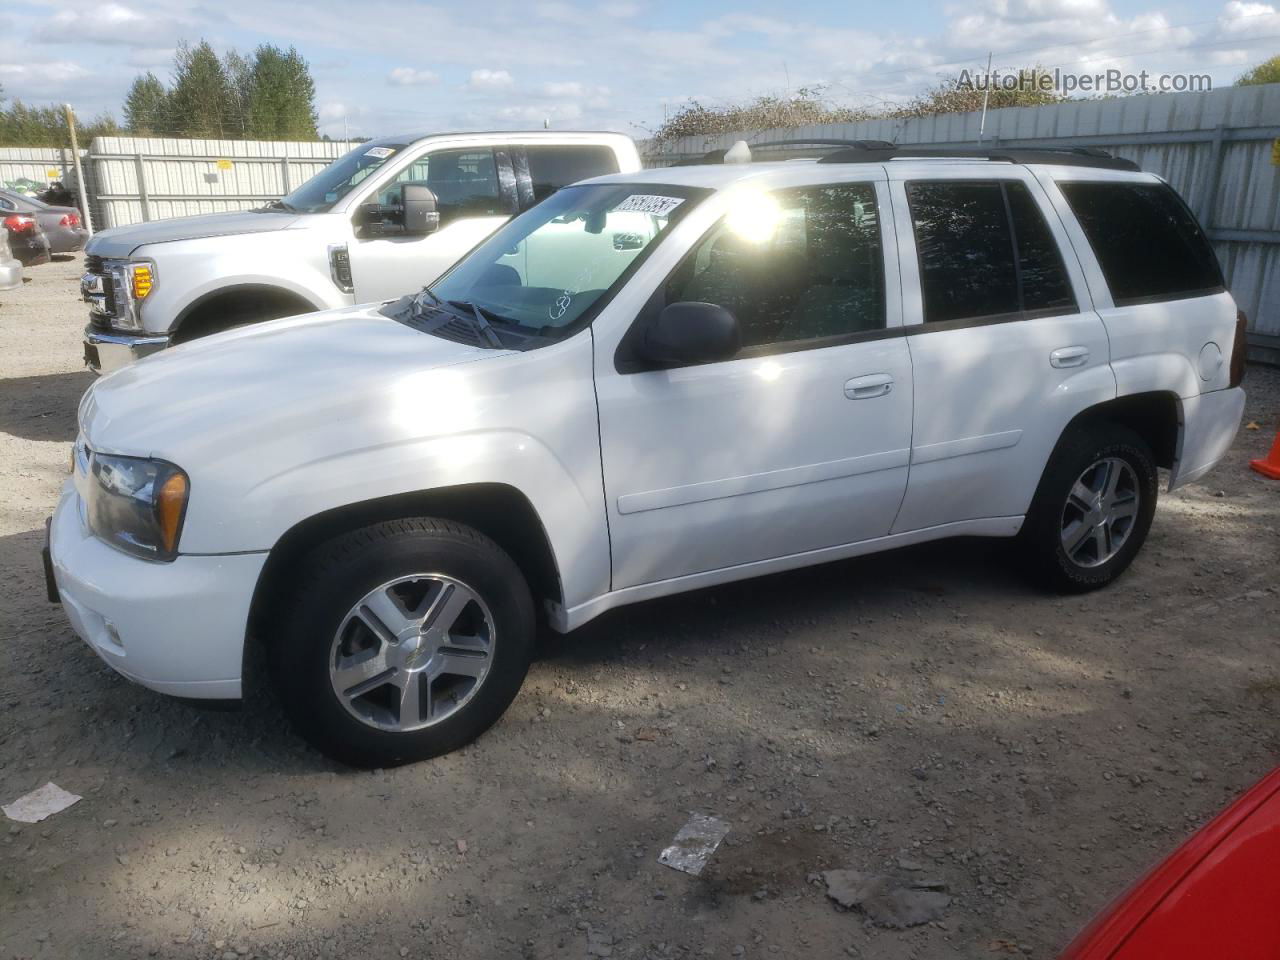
column 122, row 241
column 318, row 382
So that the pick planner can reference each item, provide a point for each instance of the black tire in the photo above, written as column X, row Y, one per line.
column 1041, row 539
column 335, row 576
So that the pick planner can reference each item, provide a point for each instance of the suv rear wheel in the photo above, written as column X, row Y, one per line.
column 1092, row 511
column 405, row 640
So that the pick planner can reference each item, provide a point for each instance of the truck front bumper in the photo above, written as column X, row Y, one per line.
column 177, row 627
column 105, row 351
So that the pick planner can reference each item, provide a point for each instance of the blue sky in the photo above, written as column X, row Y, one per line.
column 389, row 66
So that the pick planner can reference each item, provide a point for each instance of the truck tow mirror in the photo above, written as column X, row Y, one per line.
column 421, row 211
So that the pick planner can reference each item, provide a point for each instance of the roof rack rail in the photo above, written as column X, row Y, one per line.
column 1062, row 156
column 717, row 156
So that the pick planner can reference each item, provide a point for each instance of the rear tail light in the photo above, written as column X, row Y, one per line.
column 1238, row 349
column 20, row 224
column 70, row 220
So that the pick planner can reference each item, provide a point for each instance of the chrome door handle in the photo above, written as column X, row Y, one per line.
column 872, row 385
column 1069, row 357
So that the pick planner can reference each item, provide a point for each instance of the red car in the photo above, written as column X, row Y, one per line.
column 1216, row 896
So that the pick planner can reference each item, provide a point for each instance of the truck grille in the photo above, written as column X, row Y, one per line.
column 98, row 290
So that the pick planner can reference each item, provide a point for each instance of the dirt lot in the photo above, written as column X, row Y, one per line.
column 1030, row 752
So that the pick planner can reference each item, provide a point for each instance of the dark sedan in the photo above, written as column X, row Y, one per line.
column 61, row 225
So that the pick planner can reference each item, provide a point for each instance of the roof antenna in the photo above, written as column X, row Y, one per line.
column 738, row 153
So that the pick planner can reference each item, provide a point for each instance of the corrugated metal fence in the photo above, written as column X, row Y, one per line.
column 1220, row 150
column 135, row 179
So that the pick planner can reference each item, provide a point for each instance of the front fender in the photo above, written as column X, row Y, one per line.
column 571, row 512
column 189, row 272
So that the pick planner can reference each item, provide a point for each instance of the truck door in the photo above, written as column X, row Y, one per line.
column 475, row 189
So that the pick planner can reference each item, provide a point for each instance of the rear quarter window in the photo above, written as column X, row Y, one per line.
column 1147, row 242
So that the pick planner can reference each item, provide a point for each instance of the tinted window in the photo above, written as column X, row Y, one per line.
column 985, row 251
column 1147, row 242
column 965, row 249
column 1043, row 277
column 554, row 166
column 792, row 265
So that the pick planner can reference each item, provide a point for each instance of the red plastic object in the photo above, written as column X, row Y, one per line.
column 1216, row 896
column 70, row 220
column 20, row 224
column 1269, row 466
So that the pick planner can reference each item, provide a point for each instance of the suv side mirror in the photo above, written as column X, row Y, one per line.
column 691, row 332
column 421, row 210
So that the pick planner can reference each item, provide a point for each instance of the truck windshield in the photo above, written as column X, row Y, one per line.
column 338, row 179
column 542, row 272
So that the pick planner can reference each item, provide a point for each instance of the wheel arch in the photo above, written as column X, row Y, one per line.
column 1155, row 416
column 499, row 511
column 199, row 318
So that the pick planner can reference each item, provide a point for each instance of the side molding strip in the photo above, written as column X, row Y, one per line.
column 760, row 482
column 965, row 446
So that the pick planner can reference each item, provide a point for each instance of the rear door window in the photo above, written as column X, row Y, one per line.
column 1147, row 242
column 985, row 252
column 552, row 166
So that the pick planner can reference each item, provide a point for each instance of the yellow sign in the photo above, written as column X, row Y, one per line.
column 1275, row 151
column 224, row 164
column 53, row 174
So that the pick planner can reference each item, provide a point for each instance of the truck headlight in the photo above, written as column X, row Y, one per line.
column 132, row 281
column 137, row 505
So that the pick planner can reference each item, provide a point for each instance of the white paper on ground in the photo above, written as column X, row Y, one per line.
column 39, row 804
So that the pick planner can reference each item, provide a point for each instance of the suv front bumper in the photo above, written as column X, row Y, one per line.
column 177, row 627
column 107, row 351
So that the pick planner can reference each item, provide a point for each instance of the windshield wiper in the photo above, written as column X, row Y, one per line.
column 482, row 324
column 277, row 205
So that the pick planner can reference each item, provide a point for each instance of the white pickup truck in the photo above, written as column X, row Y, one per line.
column 382, row 221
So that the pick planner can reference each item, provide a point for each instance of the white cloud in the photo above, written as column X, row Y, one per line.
column 114, row 24
column 490, row 80
column 411, row 77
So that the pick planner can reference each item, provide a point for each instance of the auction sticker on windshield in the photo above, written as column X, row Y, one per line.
column 380, row 153
column 649, row 203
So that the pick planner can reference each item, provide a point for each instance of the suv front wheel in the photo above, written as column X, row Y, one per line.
column 1092, row 511
column 404, row 640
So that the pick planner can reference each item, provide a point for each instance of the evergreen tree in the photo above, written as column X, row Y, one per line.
column 201, row 102
column 239, row 71
column 282, row 96
column 146, row 107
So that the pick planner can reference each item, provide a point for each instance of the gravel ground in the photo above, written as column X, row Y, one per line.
column 1031, row 753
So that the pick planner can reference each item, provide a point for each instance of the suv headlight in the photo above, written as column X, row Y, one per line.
column 137, row 505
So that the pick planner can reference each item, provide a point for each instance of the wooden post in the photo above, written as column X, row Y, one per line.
column 75, row 159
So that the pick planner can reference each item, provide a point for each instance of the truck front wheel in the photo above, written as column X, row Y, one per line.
column 402, row 640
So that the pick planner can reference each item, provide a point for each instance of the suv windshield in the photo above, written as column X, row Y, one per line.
column 338, row 179
column 543, row 271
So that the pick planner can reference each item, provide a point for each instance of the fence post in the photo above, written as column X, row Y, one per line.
column 284, row 176
column 142, row 187
column 1209, row 195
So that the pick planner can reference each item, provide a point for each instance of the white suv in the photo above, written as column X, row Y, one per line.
column 388, row 217
column 647, row 384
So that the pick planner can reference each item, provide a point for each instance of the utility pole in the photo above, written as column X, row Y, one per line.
column 75, row 160
column 986, row 97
